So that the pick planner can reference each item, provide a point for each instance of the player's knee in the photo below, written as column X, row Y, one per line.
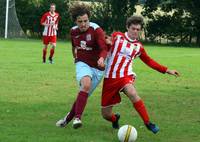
column 86, row 84
column 134, row 97
column 133, row 94
column 86, row 87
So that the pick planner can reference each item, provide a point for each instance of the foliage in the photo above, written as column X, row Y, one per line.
column 173, row 20
column 181, row 19
column 105, row 14
column 30, row 12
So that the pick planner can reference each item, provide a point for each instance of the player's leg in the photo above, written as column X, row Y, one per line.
column 97, row 76
column 139, row 105
column 83, row 75
column 108, row 115
column 44, row 53
column 45, row 42
column 81, row 100
column 52, row 50
column 90, row 80
column 70, row 115
column 110, row 97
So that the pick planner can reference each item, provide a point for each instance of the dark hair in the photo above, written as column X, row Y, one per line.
column 52, row 4
column 136, row 20
column 79, row 9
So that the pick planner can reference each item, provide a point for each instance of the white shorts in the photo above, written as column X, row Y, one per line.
column 82, row 69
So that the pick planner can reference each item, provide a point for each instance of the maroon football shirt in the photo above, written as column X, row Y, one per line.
column 90, row 45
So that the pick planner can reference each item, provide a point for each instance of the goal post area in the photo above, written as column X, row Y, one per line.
column 9, row 23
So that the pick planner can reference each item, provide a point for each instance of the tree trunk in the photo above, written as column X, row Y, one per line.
column 190, row 39
column 198, row 39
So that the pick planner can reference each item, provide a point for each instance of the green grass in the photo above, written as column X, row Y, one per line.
column 33, row 96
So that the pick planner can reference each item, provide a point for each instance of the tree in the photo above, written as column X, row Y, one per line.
column 30, row 12
column 112, row 14
column 184, row 15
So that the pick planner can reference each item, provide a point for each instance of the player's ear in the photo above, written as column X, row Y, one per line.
column 127, row 27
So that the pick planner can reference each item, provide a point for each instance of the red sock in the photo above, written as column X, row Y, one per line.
column 44, row 54
column 112, row 118
column 140, row 107
column 80, row 104
column 71, row 113
column 51, row 53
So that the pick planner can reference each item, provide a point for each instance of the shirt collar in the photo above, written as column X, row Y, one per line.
column 128, row 38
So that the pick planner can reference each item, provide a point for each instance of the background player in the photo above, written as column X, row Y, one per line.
column 50, row 22
column 119, row 75
column 89, row 51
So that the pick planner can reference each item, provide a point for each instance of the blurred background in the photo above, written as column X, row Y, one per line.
column 166, row 21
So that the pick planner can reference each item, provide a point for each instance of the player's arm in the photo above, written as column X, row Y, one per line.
column 154, row 65
column 100, row 38
column 74, row 50
column 110, row 40
column 57, row 21
column 43, row 20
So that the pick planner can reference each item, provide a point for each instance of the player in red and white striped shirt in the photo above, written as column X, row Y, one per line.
column 119, row 76
column 50, row 22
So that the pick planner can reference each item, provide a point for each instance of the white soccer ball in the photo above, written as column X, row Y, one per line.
column 127, row 133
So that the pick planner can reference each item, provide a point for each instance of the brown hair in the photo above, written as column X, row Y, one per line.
column 136, row 20
column 52, row 4
column 79, row 9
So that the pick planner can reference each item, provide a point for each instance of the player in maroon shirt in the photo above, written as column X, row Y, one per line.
column 89, row 51
column 119, row 76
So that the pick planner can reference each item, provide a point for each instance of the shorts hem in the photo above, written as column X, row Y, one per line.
column 120, row 90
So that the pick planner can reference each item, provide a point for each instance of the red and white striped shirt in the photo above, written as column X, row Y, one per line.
column 52, row 22
column 122, row 53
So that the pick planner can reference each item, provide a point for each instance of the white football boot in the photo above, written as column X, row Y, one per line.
column 77, row 123
column 62, row 122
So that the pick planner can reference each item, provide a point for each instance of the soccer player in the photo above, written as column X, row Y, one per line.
column 50, row 22
column 89, row 51
column 119, row 76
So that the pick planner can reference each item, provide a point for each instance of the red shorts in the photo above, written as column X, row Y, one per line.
column 111, row 89
column 49, row 39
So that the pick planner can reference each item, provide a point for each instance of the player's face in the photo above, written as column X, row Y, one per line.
column 52, row 8
column 133, row 31
column 83, row 22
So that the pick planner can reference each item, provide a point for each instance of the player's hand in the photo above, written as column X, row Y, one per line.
column 45, row 24
column 173, row 72
column 52, row 23
column 100, row 62
column 55, row 27
column 108, row 40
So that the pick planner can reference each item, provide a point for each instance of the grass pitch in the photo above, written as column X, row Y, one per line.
column 33, row 96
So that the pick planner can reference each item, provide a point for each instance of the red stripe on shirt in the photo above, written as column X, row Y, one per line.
column 120, row 66
column 115, row 58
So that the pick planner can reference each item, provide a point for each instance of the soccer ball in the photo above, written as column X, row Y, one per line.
column 127, row 133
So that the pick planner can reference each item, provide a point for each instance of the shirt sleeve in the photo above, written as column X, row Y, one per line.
column 151, row 63
column 58, row 19
column 43, row 19
column 100, row 38
column 72, row 42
